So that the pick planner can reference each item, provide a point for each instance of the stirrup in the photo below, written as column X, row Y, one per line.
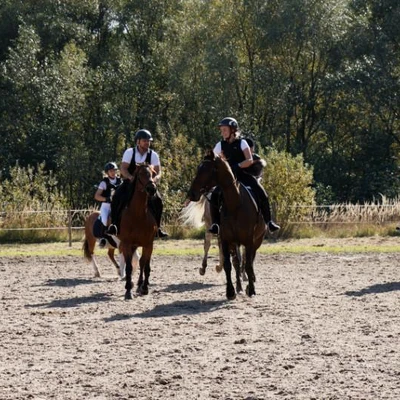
column 214, row 229
column 273, row 227
column 102, row 243
column 161, row 233
column 112, row 230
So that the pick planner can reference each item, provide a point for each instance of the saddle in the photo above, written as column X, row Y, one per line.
column 98, row 228
column 99, row 232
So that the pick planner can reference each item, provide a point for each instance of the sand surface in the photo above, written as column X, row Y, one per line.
column 322, row 326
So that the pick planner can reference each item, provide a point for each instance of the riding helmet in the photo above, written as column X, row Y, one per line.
column 143, row 134
column 228, row 121
column 110, row 165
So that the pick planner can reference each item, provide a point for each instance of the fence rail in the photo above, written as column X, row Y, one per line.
column 336, row 214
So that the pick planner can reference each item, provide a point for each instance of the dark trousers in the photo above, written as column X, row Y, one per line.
column 121, row 198
column 259, row 193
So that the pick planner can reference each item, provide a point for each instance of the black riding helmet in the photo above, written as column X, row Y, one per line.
column 228, row 121
column 143, row 134
column 110, row 165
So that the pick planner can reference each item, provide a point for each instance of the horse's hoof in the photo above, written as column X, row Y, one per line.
column 249, row 292
column 202, row 271
column 128, row 296
column 231, row 296
column 143, row 291
column 123, row 278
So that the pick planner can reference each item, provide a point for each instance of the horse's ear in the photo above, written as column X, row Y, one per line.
column 209, row 155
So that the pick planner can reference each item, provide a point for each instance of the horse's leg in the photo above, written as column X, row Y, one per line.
column 250, row 290
column 207, row 244
column 111, row 256
column 243, row 265
column 122, row 265
column 220, row 266
column 236, row 260
column 230, row 290
column 95, row 267
column 128, row 270
column 143, row 284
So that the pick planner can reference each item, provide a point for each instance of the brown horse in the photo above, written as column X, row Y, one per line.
column 89, row 245
column 138, row 228
column 241, row 221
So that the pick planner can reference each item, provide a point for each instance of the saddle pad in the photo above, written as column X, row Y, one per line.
column 98, row 228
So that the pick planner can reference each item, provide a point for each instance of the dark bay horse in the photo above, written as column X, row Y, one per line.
column 89, row 245
column 138, row 228
column 241, row 222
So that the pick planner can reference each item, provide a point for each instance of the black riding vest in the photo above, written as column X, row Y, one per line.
column 132, row 165
column 110, row 186
column 232, row 151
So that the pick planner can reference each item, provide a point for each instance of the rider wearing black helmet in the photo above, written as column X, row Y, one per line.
column 104, row 192
column 140, row 153
column 239, row 156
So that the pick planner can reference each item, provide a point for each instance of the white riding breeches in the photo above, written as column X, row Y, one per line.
column 105, row 211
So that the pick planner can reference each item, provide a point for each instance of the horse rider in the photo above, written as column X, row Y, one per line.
column 237, row 153
column 103, row 194
column 140, row 153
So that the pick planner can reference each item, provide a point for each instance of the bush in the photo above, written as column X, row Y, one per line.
column 30, row 199
column 288, row 181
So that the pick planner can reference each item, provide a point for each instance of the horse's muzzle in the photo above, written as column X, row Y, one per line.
column 193, row 195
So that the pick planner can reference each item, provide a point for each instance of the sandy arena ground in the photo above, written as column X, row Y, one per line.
column 322, row 326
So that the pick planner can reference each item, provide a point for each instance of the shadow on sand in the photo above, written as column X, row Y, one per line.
column 378, row 288
column 189, row 307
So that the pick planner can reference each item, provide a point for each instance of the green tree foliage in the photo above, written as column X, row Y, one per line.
column 315, row 78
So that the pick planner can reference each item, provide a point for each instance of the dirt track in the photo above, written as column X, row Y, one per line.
column 321, row 327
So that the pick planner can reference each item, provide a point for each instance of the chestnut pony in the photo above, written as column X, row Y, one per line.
column 138, row 227
column 89, row 245
column 241, row 222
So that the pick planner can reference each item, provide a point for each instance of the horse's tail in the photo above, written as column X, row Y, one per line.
column 86, row 251
column 193, row 213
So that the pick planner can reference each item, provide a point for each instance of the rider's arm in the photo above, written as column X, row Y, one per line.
column 124, row 171
column 247, row 155
column 99, row 193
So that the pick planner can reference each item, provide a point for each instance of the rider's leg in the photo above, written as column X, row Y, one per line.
column 118, row 201
column 214, row 210
column 104, row 214
column 263, row 201
column 156, row 207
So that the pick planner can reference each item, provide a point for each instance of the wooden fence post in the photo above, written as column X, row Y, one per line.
column 70, row 227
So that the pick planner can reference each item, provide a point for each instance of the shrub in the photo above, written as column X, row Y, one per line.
column 288, row 181
column 30, row 199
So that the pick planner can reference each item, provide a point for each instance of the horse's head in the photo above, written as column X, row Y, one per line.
column 144, row 178
column 205, row 178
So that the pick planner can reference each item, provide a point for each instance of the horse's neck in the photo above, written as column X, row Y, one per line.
column 230, row 190
column 138, row 203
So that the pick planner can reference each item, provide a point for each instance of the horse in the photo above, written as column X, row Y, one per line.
column 197, row 214
column 138, row 227
column 241, row 221
column 89, row 244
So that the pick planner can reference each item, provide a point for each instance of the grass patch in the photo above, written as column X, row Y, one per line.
column 195, row 247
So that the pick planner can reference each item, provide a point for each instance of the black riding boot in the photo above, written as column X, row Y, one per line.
column 156, row 207
column 266, row 213
column 214, row 211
